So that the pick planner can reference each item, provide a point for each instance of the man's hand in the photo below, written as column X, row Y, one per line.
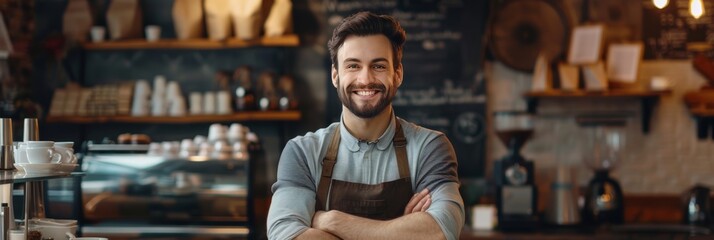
column 321, row 219
column 420, row 202
column 319, row 226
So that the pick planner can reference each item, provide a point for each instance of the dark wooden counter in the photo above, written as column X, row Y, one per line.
column 623, row 232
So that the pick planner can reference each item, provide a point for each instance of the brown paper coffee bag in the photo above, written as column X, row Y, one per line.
column 77, row 20
column 246, row 17
column 124, row 19
column 218, row 19
column 280, row 19
column 188, row 19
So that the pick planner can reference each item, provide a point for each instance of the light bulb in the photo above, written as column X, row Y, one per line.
column 696, row 8
column 660, row 3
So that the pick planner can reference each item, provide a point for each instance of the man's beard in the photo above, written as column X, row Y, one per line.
column 366, row 111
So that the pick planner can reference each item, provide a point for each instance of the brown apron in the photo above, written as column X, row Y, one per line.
column 379, row 201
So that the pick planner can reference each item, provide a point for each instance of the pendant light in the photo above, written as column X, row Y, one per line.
column 660, row 3
column 696, row 8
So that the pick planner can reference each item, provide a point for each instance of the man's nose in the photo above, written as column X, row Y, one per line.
column 365, row 76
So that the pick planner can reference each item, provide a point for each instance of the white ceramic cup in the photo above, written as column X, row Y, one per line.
column 32, row 144
column 55, row 231
column 43, row 155
column 153, row 33
column 67, row 151
column 223, row 99
column 20, row 152
column 195, row 103
column 209, row 103
column 17, row 234
column 97, row 33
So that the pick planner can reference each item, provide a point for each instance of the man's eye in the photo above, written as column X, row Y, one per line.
column 352, row 66
column 379, row 67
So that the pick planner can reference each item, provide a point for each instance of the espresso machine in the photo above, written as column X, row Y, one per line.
column 516, row 193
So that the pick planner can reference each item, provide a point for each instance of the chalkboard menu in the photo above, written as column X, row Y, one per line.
column 667, row 32
column 443, row 87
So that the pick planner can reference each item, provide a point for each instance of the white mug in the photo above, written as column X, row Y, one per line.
column 39, row 143
column 20, row 153
column 43, row 155
column 65, row 149
column 153, row 33
column 97, row 33
column 223, row 99
column 195, row 103
column 18, row 234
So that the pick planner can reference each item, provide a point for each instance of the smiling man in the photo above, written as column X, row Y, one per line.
column 372, row 175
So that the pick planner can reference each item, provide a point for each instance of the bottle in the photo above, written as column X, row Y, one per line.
column 5, row 224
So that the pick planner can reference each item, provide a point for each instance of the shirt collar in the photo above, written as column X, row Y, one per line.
column 353, row 144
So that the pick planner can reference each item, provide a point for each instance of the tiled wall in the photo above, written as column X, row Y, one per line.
column 667, row 160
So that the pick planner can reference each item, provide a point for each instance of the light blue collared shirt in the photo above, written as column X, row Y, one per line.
column 432, row 165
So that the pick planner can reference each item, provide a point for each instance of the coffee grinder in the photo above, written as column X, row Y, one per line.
column 605, row 142
column 516, row 193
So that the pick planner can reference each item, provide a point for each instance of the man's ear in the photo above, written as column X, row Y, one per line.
column 398, row 75
column 335, row 76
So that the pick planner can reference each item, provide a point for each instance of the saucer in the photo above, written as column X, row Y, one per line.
column 46, row 168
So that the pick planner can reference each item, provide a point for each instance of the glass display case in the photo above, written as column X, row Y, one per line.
column 128, row 194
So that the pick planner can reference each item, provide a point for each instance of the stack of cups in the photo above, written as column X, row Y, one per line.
column 158, row 98
column 175, row 100
column 216, row 132
column 142, row 94
column 187, row 148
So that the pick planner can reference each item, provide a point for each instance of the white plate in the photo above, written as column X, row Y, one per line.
column 45, row 168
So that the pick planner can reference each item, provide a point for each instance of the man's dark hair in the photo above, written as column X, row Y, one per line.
column 365, row 24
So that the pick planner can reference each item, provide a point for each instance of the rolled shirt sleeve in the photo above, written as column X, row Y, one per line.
column 293, row 201
column 437, row 171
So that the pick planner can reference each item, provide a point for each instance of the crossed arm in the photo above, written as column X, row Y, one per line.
column 414, row 224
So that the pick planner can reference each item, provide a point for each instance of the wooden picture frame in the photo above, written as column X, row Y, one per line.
column 595, row 77
column 623, row 62
column 585, row 44
column 542, row 76
column 569, row 77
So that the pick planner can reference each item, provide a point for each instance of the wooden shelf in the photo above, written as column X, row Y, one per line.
column 702, row 112
column 587, row 94
column 648, row 99
column 280, row 41
column 236, row 117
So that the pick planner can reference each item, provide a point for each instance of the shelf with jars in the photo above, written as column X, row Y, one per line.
column 648, row 99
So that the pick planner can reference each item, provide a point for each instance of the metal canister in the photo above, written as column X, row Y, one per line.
column 6, row 151
column 5, row 224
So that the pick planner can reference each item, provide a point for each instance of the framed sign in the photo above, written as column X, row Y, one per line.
column 623, row 62
column 585, row 44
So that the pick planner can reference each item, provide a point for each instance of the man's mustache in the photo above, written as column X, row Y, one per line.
column 377, row 86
